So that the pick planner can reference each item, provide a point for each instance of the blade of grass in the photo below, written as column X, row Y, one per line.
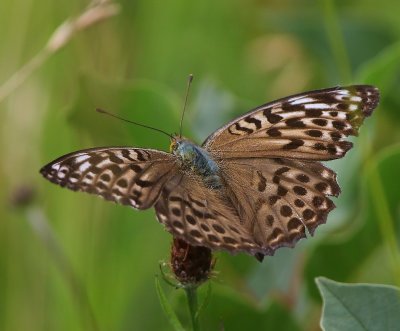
column 165, row 305
column 191, row 293
column 45, row 233
column 385, row 218
column 383, row 69
column 336, row 41
column 96, row 12
column 205, row 301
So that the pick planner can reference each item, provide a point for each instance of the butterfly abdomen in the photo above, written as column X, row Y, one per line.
column 197, row 160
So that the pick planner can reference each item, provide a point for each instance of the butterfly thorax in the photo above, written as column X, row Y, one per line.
column 197, row 160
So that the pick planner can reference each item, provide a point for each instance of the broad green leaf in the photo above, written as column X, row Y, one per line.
column 359, row 307
column 205, row 302
column 166, row 306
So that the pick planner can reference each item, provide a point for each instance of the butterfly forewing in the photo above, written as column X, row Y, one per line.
column 129, row 176
column 308, row 126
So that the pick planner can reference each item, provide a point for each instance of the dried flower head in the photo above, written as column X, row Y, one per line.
column 191, row 265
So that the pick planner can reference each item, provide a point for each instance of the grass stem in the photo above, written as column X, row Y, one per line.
column 191, row 294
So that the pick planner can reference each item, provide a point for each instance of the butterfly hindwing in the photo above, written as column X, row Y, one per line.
column 281, row 199
column 129, row 176
column 202, row 216
column 307, row 126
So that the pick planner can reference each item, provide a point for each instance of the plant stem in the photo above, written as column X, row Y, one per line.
column 336, row 41
column 385, row 219
column 42, row 228
column 97, row 11
column 191, row 293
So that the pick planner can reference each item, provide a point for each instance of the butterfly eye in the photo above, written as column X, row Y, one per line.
column 172, row 146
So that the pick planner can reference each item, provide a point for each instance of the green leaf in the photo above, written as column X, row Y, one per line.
column 205, row 301
column 169, row 312
column 359, row 306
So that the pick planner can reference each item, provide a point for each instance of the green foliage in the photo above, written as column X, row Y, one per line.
column 353, row 307
column 168, row 310
column 135, row 64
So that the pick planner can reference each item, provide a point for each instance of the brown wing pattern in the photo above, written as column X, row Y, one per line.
column 266, row 205
column 281, row 198
column 274, row 188
column 129, row 176
column 307, row 126
column 202, row 216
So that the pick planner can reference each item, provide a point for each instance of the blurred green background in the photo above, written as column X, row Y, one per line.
column 70, row 261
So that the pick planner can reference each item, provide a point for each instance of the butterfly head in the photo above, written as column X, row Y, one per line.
column 183, row 148
column 191, row 155
column 173, row 144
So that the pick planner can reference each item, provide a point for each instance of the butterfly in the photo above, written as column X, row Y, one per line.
column 254, row 185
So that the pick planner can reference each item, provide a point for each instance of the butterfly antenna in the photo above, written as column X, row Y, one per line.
column 190, row 79
column 101, row 111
